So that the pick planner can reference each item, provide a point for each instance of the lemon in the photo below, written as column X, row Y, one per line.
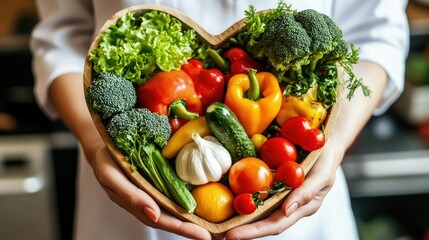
column 214, row 202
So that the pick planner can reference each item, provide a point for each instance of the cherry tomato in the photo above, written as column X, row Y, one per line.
column 176, row 123
column 244, row 204
column 298, row 131
column 277, row 150
column 258, row 140
column 291, row 173
column 250, row 175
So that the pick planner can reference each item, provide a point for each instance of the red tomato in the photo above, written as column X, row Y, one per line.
column 250, row 175
column 276, row 151
column 298, row 131
column 291, row 173
column 244, row 204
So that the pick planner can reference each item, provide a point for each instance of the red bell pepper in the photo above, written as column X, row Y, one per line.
column 209, row 83
column 171, row 94
column 239, row 61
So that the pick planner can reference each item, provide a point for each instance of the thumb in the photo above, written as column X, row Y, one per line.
column 314, row 189
column 297, row 198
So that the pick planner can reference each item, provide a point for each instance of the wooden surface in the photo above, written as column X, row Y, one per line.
column 215, row 41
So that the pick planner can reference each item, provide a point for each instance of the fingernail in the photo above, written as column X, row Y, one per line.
column 151, row 214
column 294, row 206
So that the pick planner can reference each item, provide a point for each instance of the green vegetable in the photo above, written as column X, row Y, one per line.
column 300, row 47
column 140, row 134
column 228, row 130
column 137, row 46
column 323, row 33
column 282, row 49
column 110, row 94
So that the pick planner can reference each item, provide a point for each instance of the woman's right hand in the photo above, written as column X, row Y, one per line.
column 137, row 202
column 66, row 93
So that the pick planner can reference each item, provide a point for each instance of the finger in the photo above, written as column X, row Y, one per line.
column 165, row 221
column 268, row 226
column 300, row 197
column 144, row 216
column 316, row 185
column 139, row 203
column 186, row 229
column 130, row 196
column 275, row 224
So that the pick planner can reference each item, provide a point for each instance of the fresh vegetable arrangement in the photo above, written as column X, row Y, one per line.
column 243, row 116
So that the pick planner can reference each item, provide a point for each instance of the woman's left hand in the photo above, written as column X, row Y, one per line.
column 309, row 196
column 301, row 202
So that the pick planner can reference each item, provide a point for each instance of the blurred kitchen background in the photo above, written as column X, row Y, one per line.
column 387, row 167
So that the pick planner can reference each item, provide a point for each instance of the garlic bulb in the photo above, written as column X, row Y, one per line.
column 202, row 161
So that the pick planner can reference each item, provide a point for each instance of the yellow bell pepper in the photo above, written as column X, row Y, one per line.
column 183, row 136
column 305, row 105
column 255, row 99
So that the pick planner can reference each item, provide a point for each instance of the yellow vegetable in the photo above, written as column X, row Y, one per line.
column 183, row 136
column 255, row 99
column 258, row 140
column 305, row 106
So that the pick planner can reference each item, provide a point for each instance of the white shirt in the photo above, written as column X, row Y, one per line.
column 61, row 40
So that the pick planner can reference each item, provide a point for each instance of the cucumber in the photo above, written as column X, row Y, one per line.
column 225, row 126
column 176, row 187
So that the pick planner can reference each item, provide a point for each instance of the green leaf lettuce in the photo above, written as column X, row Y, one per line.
column 137, row 46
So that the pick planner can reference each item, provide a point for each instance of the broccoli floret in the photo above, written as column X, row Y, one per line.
column 154, row 127
column 285, row 49
column 131, row 134
column 298, row 47
column 339, row 52
column 322, row 39
column 256, row 23
column 334, row 30
column 110, row 94
column 314, row 24
column 289, row 39
column 140, row 134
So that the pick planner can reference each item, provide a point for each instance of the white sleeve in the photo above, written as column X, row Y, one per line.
column 380, row 29
column 59, row 43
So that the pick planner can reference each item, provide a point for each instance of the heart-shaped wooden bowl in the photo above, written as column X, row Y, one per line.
column 215, row 41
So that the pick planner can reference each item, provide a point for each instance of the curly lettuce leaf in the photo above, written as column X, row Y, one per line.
column 137, row 46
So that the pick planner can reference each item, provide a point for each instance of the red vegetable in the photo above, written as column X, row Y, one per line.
column 290, row 173
column 250, row 175
column 209, row 83
column 277, row 150
column 239, row 61
column 171, row 94
column 246, row 203
column 298, row 131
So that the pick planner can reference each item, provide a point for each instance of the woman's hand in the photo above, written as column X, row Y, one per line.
column 301, row 202
column 121, row 191
column 67, row 95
